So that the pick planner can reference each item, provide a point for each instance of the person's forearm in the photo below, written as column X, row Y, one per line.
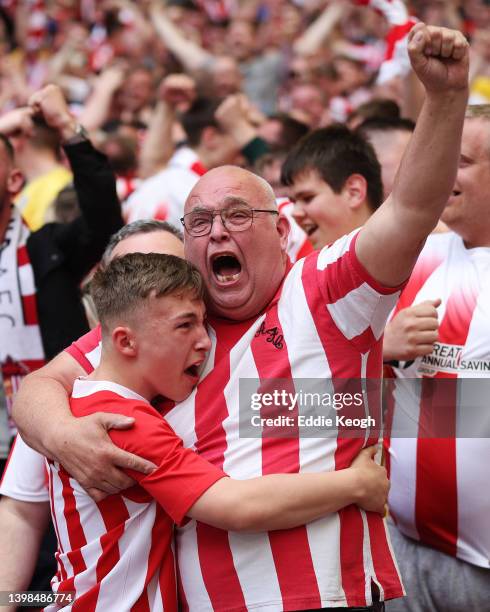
column 317, row 33
column 158, row 146
column 297, row 498
column 277, row 501
column 191, row 55
column 22, row 525
column 96, row 110
column 40, row 403
column 433, row 151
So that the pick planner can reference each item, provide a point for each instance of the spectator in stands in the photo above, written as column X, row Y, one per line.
column 334, row 180
column 37, row 154
column 389, row 138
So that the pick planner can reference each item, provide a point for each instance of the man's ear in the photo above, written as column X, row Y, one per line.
column 355, row 191
column 15, row 182
column 124, row 341
column 283, row 229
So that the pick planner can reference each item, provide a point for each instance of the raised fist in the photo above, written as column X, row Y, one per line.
column 51, row 104
column 439, row 57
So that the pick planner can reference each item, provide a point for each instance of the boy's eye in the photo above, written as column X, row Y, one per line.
column 184, row 325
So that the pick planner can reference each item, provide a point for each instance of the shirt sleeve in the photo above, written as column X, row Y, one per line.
column 181, row 477
column 358, row 304
column 87, row 349
column 25, row 475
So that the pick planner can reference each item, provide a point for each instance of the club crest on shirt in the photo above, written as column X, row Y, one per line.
column 273, row 335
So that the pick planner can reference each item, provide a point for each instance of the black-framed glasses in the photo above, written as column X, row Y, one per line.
column 234, row 219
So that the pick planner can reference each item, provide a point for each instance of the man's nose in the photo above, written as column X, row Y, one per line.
column 218, row 228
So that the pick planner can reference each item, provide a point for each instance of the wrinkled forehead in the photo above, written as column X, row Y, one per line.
column 220, row 194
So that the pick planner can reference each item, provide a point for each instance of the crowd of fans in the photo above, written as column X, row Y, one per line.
column 317, row 97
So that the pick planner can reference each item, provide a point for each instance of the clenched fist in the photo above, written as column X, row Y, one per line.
column 412, row 332
column 439, row 57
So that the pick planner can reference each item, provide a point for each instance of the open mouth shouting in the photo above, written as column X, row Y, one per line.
column 226, row 268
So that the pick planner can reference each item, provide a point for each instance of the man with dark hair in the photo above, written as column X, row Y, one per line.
column 335, row 183
column 389, row 137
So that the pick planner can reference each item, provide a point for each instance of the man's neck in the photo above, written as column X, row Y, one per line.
column 36, row 165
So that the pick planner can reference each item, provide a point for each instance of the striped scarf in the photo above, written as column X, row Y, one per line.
column 21, row 349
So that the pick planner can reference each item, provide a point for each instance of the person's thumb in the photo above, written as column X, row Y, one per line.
column 115, row 421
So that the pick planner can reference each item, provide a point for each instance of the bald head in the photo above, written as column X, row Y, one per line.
column 220, row 182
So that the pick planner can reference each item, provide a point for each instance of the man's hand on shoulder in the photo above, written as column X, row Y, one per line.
column 439, row 57
column 85, row 450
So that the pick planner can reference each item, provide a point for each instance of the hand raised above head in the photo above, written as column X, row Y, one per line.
column 439, row 57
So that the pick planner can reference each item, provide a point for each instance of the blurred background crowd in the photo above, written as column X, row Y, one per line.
column 235, row 80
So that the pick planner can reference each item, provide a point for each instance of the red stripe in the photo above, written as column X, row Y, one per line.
column 216, row 561
column 30, row 309
column 297, row 581
column 23, row 256
column 436, row 497
column 306, row 249
column 397, row 33
column 198, row 168
column 423, row 269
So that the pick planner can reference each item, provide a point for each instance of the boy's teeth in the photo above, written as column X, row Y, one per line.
column 228, row 278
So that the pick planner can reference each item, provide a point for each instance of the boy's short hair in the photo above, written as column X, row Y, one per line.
column 197, row 118
column 336, row 153
column 128, row 281
column 385, row 124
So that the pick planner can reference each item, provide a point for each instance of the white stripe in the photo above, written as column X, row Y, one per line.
column 330, row 254
column 26, row 280
column 472, row 461
column 83, row 388
column 403, row 454
column 360, row 309
column 134, row 549
column 59, row 506
column 94, row 355
column 93, row 526
column 190, row 569
column 242, row 456
column 367, row 561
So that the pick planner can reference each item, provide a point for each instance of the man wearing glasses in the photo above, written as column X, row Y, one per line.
column 326, row 314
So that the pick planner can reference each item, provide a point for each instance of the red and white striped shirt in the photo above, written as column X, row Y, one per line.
column 163, row 195
column 117, row 554
column 331, row 315
column 439, row 487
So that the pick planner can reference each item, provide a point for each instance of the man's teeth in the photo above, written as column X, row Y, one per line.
column 228, row 277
